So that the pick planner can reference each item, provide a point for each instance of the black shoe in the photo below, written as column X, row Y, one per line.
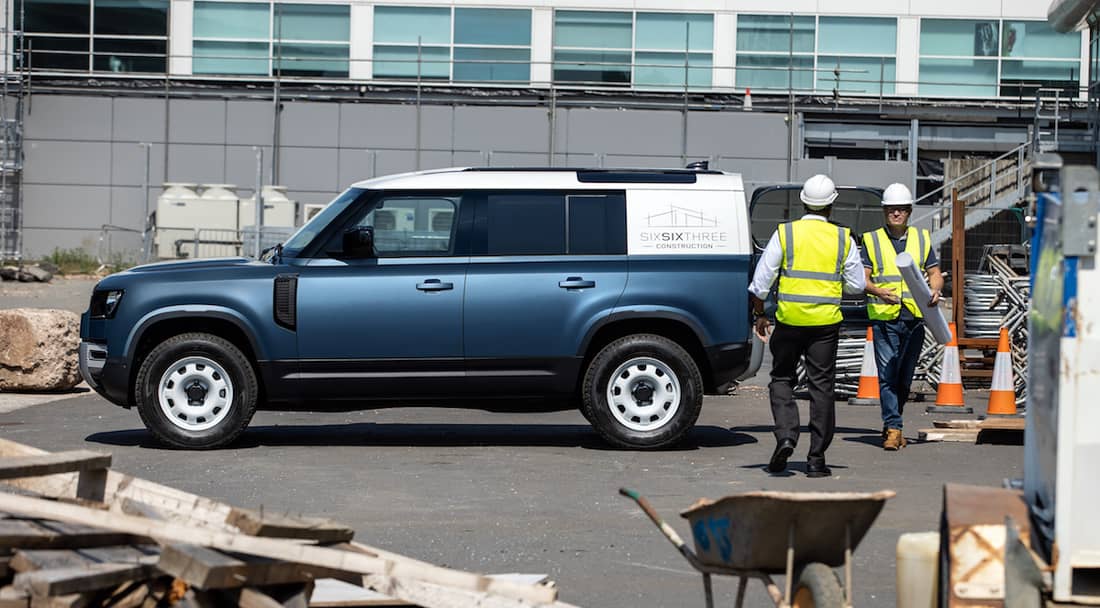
column 817, row 469
column 783, row 451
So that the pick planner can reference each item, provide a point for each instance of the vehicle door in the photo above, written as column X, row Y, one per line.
column 545, row 267
column 388, row 323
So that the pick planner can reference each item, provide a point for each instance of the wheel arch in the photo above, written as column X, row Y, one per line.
column 676, row 327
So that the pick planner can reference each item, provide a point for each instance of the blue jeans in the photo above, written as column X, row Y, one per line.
column 897, row 347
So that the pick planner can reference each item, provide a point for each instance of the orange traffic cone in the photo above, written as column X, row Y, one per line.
column 747, row 103
column 867, row 393
column 949, row 395
column 1002, row 395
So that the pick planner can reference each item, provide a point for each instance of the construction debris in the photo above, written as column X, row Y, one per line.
column 38, row 349
column 25, row 274
column 75, row 533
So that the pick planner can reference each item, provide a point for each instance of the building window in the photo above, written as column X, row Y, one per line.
column 232, row 38
column 593, row 46
column 492, row 45
column 666, row 45
column 259, row 39
column 312, row 40
column 646, row 49
column 775, row 51
column 487, row 45
column 128, row 36
column 986, row 58
column 859, row 51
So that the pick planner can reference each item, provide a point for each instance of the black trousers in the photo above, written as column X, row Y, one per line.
column 817, row 347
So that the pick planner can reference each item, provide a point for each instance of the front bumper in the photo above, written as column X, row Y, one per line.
column 109, row 377
column 93, row 358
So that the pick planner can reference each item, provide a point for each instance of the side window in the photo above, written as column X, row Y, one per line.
column 406, row 226
column 597, row 224
column 524, row 223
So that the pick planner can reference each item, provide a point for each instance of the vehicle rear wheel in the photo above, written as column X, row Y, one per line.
column 196, row 391
column 818, row 587
column 642, row 391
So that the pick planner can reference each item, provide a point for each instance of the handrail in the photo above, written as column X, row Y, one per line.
column 1019, row 151
column 984, row 167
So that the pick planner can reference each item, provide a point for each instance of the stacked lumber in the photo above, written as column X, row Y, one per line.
column 75, row 534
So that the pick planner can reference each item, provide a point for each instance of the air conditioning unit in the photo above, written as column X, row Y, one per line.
column 440, row 220
column 312, row 209
column 396, row 219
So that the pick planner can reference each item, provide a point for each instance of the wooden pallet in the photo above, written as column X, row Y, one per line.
column 974, row 431
column 75, row 534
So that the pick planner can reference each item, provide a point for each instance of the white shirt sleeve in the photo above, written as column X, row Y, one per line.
column 855, row 281
column 767, row 269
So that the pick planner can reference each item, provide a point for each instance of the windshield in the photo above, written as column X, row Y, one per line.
column 857, row 208
column 300, row 239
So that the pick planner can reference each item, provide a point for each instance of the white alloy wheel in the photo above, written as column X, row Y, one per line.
column 195, row 393
column 643, row 394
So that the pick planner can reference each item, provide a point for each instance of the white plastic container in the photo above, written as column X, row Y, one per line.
column 177, row 211
column 279, row 211
column 918, row 561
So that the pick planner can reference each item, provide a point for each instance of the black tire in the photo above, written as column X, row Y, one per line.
column 669, row 354
column 818, row 587
column 241, row 378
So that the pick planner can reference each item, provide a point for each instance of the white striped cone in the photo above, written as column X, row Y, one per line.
column 949, row 393
column 868, row 391
column 1002, row 394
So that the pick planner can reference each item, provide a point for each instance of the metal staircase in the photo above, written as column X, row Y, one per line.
column 11, row 144
column 995, row 186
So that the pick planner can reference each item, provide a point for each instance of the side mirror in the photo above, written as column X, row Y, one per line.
column 359, row 242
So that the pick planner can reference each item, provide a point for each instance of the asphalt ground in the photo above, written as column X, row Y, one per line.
column 530, row 492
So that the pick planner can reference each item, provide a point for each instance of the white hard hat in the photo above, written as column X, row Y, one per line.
column 818, row 192
column 896, row 194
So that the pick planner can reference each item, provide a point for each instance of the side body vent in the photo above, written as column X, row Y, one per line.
column 286, row 300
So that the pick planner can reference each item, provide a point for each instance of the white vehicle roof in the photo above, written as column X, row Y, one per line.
column 471, row 178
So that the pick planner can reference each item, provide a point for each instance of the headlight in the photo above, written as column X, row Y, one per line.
column 105, row 303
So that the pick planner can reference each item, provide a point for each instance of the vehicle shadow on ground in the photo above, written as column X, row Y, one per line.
column 371, row 434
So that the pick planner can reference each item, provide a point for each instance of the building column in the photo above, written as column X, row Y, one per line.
column 181, row 31
column 725, row 49
column 907, row 69
column 361, row 50
column 542, row 46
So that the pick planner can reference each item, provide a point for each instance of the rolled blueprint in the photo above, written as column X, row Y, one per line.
column 933, row 316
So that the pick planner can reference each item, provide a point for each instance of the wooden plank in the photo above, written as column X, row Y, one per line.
column 957, row 435
column 956, row 424
column 64, row 581
column 282, row 596
column 37, row 534
column 281, row 526
column 51, row 464
column 332, row 593
column 334, row 559
column 436, row 596
column 206, row 568
column 45, row 559
column 1004, row 424
column 10, row 597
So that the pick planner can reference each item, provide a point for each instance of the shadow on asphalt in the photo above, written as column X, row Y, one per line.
column 793, row 466
column 430, row 435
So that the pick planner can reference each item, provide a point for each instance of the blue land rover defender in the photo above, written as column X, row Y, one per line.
column 623, row 292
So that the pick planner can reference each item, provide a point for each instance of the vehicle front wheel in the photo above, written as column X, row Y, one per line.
column 196, row 391
column 642, row 391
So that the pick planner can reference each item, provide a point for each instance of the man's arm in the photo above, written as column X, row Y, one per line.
column 881, row 293
column 935, row 281
column 855, row 280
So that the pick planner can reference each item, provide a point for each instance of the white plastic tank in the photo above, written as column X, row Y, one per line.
column 279, row 211
column 918, row 559
column 176, row 209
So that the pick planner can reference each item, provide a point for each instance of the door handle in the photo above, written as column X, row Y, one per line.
column 576, row 283
column 434, row 285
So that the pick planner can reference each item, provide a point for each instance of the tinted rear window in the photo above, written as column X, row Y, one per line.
column 859, row 210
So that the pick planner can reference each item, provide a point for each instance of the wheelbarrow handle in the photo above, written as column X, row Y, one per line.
column 665, row 529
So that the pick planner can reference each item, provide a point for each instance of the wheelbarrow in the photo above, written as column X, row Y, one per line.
column 803, row 535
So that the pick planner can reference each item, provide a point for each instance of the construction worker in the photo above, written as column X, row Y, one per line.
column 815, row 262
column 897, row 320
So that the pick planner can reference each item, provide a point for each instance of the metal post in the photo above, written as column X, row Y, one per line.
column 1020, row 172
column 276, row 96
column 684, row 124
column 146, row 234
column 553, row 123
column 914, row 131
column 992, row 181
column 419, row 49
column 258, row 247
column 790, row 101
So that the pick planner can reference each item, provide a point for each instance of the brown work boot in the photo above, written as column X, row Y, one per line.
column 894, row 440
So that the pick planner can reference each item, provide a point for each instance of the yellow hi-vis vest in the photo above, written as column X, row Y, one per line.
column 885, row 273
column 811, row 273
